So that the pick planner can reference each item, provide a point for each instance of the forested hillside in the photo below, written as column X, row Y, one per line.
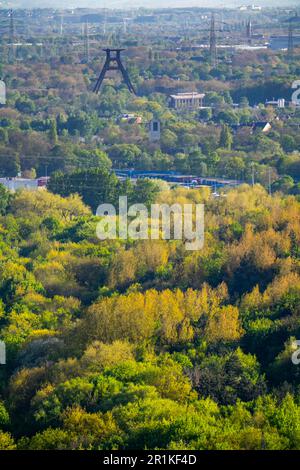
column 143, row 344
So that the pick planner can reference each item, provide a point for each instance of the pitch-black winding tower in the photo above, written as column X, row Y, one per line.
column 113, row 62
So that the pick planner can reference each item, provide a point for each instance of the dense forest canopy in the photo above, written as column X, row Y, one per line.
column 142, row 344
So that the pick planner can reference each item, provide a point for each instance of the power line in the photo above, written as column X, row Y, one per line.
column 41, row 157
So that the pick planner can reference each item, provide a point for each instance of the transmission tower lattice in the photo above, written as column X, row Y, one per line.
column 113, row 62
column 86, row 43
column 291, row 41
column 249, row 31
column 11, row 53
column 213, row 41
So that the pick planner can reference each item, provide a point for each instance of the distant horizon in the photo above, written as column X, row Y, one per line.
column 155, row 4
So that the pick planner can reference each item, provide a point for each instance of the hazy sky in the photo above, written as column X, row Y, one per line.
column 145, row 3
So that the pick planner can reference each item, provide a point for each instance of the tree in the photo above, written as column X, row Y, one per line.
column 38, row 203
column 229, row 379
column 228, row 117
column 5, row 197
column 4, row 136
column 50, row 439
column 53, row 132
column 93, row 159
column 9, row 164
column 195, row 160
column 244, row 102
column 119, row 318
column 124, row 155
column 6, row 441
column 100, row 355
column 25, row 105
column 225, row 138
column 81, row 123
column 4, row 417
column 224, row 325
column 284, row 184
column 288, row 143
column 144, row 192
column 205, row 114
column 96, row 186
column 169, row 140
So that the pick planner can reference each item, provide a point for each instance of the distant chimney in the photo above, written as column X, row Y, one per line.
column 249, row 31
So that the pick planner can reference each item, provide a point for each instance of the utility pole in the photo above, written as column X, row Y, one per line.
column 213, row 42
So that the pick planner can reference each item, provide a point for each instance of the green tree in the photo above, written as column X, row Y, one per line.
column 96, row 186
column 53, row 132
column 226, row 138
column 5, row 197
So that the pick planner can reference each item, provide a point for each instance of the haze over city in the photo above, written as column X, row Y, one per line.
column 141, row 3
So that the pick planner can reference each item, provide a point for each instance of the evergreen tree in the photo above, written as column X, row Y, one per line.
column 225, row 138
column 53, row 132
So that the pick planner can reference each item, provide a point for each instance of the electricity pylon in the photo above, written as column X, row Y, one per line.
column 213, row 42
